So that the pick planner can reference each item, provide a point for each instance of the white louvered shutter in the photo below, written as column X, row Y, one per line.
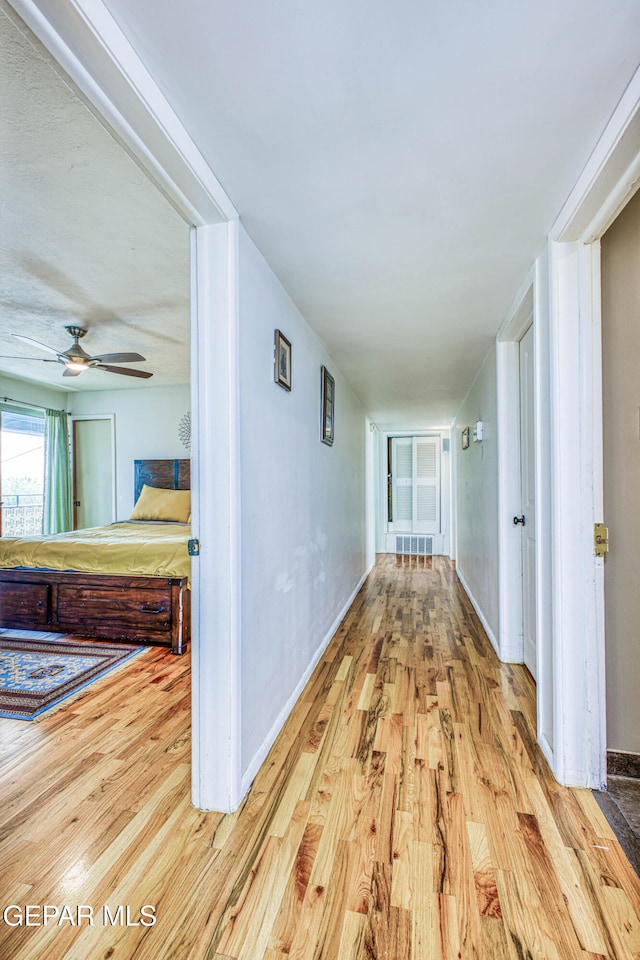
column 426, row 484
column 402, row 471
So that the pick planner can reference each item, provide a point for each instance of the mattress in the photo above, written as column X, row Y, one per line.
column 145, row 549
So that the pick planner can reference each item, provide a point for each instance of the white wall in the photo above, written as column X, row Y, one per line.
column 303, row 506
column 476, row 492
column 146, row 426
column 33, row 393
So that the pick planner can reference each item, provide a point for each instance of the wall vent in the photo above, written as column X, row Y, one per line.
column 414, row 546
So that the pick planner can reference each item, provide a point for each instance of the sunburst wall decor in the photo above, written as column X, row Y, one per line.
column 184, row 430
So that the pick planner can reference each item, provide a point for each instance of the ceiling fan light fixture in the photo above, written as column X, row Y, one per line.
column 75, row 354
column 75, row 359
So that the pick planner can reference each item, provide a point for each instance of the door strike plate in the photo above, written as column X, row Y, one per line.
column 194, row 548
column 600, row 539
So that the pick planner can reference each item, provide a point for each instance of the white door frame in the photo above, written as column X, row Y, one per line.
column 606, row 184
column 571, row 707
column 384, row 432
column 520, row 317
column 576, row 471
column 86, row 41
column 528, row 306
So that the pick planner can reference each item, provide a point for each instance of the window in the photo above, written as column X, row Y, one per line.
column 21, row 472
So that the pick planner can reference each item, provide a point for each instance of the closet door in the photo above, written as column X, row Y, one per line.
column 93, row 473
column 426, row 484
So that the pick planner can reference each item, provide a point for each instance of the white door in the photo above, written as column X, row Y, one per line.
column 402, row 484
column 415, row 490
column 426, row 484
column 93, row 474
column 528, row 504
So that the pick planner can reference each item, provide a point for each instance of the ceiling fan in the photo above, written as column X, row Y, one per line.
column 76, row 360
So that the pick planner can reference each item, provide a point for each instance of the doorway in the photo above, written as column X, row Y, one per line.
column 135, row 110
column 620, row 248
column 518, row 522
column 414, row 511
column 414, row 479
column 526, row 520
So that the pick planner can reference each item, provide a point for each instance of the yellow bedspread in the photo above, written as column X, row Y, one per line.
column 137, row 549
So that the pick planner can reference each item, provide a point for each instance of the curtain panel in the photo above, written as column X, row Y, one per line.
column 58, row 511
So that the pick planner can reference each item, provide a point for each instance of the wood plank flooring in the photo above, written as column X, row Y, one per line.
column 404, row 813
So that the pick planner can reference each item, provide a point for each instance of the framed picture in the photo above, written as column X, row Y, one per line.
column 282, row 374
column 465, row 438
column 328, row 392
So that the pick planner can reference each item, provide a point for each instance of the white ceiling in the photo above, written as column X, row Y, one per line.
column 398, row 164
column 86, row 238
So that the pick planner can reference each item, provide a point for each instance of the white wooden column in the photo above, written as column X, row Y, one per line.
column 577, row 575
column 216, row 705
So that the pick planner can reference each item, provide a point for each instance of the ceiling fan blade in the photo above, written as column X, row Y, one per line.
column 73, row 371
column 37, row 359
column 36, row 343
column 122, row 370
column 118, row 358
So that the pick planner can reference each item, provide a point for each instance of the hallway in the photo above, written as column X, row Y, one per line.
column 404, row 811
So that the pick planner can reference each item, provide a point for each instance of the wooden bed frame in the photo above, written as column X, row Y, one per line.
column 153, row 610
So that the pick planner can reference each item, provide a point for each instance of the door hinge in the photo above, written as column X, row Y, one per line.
column 193, row 547
column 600, row 539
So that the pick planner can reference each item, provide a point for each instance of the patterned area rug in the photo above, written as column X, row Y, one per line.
column 37, row 674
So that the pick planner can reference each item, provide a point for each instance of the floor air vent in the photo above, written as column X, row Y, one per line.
column 414, row 546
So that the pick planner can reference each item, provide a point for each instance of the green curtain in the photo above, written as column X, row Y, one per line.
column 57, row 474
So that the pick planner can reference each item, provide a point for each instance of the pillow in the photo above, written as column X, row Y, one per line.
column 155, row 503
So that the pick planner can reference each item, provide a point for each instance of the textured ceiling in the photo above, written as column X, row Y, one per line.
column 86, row 238
column 398, row 164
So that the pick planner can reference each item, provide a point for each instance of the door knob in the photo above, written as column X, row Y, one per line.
column 517, row 520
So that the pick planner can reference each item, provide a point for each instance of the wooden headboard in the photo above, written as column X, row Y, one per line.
column 168, row 474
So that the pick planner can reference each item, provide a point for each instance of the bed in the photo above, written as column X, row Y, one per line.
column 131, row 605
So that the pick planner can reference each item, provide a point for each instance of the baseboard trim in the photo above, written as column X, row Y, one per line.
column 547, row 750
column 260, row 756
column 623, row 764
column 478, row 609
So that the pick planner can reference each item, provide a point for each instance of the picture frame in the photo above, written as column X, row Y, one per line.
column 327, row 406
column 282, row 361
column 465, row 438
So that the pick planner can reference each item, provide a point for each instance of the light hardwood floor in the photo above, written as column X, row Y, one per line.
column 404, row 812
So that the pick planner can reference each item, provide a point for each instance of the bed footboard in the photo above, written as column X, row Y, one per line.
column 153, row 610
